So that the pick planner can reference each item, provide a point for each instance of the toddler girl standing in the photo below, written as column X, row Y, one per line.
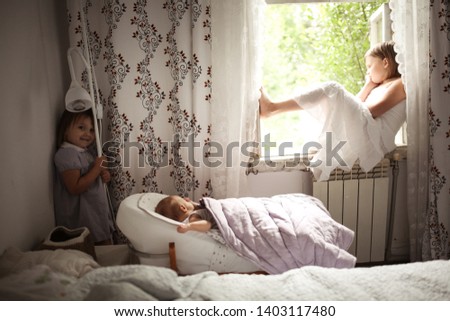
column 79, row 195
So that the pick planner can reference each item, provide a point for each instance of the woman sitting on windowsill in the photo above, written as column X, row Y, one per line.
column 363, row 126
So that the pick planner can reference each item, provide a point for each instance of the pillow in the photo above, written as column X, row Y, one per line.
column 70, row 262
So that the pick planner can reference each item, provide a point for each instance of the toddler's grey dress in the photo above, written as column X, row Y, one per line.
column 88, row 209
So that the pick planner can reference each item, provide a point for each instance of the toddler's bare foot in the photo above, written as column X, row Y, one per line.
column 266, row 107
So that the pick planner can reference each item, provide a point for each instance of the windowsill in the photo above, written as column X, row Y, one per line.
column 280, row 164
column 399, row 153
column 300, row 163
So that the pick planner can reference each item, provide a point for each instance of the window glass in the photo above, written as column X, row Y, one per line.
column 306, row 44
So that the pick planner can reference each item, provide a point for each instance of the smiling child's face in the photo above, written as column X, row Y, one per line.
column 81, row 132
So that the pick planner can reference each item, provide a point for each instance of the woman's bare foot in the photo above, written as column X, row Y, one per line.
column 266, row 107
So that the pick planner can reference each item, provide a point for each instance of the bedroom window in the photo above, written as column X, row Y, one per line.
column 310, row 42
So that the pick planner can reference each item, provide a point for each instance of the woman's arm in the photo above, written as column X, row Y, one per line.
column 366, row 89
column 394, row 94
column 77, row 183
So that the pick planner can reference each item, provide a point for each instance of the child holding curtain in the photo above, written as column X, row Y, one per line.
column 79, row 194
column 363, row 127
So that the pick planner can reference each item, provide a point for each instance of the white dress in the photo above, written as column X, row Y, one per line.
column 349, row 131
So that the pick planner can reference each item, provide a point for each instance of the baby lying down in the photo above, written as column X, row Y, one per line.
column 276, row 233
column 194, row 216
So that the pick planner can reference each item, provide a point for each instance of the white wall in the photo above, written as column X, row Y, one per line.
column 273, row 183
column 34, row 78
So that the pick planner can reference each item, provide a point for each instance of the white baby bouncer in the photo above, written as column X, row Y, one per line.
column 155, row 241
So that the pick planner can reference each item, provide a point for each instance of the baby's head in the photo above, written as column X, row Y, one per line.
column 385, row 50
column 174, row 207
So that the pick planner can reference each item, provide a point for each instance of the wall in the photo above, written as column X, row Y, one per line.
column 32, row 88
column 267, row 184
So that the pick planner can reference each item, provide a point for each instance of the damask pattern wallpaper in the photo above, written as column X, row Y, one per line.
column 153, row 68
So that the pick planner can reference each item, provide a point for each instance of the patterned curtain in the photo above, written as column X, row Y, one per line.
column 437, row 225
column 422, row 36
column 152, row 61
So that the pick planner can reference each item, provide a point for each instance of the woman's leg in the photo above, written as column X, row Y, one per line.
column 326, row 95
column 268, row 108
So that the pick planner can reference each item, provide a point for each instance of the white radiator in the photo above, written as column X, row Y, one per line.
column 359, row 201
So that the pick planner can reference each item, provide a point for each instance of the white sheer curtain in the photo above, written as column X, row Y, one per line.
column 411, row 31
column 236, row 77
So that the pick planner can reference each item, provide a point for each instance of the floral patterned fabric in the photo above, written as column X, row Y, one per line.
column 152, row 65
column 421, row 33
column 437, row 225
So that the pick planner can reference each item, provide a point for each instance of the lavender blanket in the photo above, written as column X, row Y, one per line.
column 283, row 232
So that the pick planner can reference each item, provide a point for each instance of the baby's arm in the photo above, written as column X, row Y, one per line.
column 195, row 224
column 77, row 183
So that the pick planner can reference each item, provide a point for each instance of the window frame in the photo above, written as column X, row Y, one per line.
column 258, row 163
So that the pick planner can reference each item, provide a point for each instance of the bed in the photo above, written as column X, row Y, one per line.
column 270, row 235
column 74, row 275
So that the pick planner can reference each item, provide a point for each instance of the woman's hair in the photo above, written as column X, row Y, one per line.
column 169, row 207
column 67, row 119
column 386, row 50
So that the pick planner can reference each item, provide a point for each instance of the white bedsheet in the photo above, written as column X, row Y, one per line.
column 414, row 281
